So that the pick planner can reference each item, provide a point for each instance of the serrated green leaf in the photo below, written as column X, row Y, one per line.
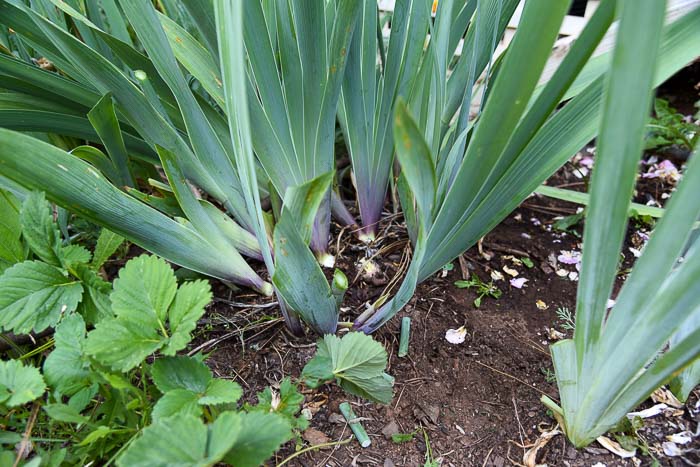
column 253, row 446
column 187, row 382
column 11, row 248
column 356, row 351
column 289, row 403
column 34, row 296
column 183, row 440
column 122, row 344
column 96, row 304
column 39, row 228
column 64, row 413
column 144, row 290
column 107, row 244
column 72, row 254
column 66, row 369
column 24, row 383
column 221, row 391
column 319, row 369
column 356, row 361
column 190, row 300
column 151, row 314
column 177, row 401
column 377, row 388
column 172, row 373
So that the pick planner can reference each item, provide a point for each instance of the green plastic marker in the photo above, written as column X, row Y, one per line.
column 405, row 336
column 355, row 425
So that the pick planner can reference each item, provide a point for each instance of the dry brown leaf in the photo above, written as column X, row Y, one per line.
column 615, row 447
column 530, row 456
column 663, row 395
column 315, row 437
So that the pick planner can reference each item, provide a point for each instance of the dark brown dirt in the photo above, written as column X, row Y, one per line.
column 476, row 403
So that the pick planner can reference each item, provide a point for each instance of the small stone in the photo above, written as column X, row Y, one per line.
column 390, row 428
column 336, row 418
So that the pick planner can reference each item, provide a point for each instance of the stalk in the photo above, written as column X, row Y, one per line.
column 339, row 286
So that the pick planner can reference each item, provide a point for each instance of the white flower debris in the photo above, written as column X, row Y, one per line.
column 635, row 252
column 526, row 236
column 496, row 276
column 684, row 437
column 664, row 170
column 650, row 412
column 569, row 257
column 541, row 305
column 573, row 276
column 671, row 449
column 456, row 336
column 581, row 172
column 535, row 221
column 610, row 303
column 555, row 335
column 562, row 272
column 586, row 161
column 510, row 271
column 518, row 283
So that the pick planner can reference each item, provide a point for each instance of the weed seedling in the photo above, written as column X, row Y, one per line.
column 566, row 318
column 482, row 289
column 430, row 461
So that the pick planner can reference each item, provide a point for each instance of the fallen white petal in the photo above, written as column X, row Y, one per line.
column 684, row 437
column 518, row 283
column 671, row 449
column 569, row 257
column 510, row 271
column 496, row 275
column 650, row 412
column 456, row 336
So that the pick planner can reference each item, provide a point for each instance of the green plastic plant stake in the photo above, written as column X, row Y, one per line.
column 405, row 336
column 355, row 426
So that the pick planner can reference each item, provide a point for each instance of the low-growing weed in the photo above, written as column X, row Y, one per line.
column 483, row 289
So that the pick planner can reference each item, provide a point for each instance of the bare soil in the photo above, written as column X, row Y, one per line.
column 477, row 403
